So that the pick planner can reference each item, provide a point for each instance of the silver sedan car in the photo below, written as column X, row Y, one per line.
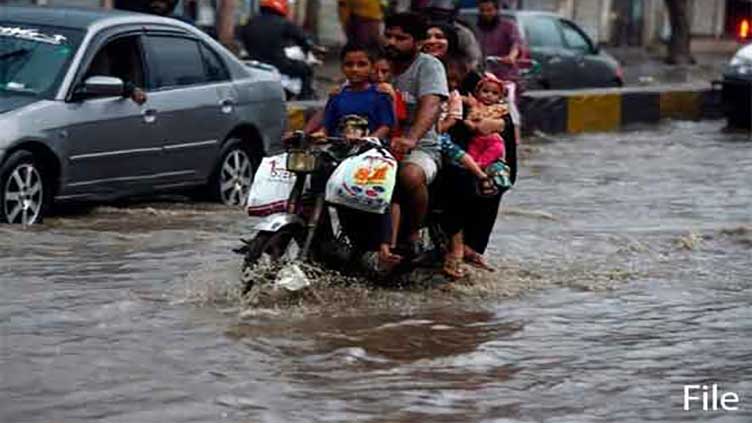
column 71, row 128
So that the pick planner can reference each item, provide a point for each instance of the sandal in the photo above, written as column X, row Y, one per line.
column 453, row 267
column 476, row 260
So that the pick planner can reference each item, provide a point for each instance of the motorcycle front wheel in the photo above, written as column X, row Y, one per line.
column 270, row 248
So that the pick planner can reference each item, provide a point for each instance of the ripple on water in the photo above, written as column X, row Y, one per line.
column 623, row 273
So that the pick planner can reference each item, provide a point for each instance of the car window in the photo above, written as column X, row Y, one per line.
column 35, row 58
column 542, row 32
column 574, row 38
column 175, row 62
column 215, row 68
column 119, row 58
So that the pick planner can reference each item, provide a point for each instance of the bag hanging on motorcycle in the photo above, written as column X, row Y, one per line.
column 364, row 182
column 271, row 187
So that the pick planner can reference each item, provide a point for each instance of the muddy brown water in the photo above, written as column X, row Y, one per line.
column 624, row 275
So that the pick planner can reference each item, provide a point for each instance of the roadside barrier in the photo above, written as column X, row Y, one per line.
column 593, row 110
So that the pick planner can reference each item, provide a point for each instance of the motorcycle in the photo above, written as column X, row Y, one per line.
column 309, row 230
column 529, row 69
column 294, row 86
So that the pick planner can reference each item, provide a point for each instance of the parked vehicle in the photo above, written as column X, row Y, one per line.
column 737, row 89
column 69, row 134
column 568, row 58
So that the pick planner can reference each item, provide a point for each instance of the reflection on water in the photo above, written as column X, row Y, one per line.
column 623, row 275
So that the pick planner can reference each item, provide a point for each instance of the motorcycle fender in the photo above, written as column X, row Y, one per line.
column 277, row 221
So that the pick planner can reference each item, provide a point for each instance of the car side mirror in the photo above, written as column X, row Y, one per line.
column 597, row 48
column 101, row 86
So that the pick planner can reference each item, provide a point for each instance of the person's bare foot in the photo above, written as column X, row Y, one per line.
column 475, row 259
column 387, row 259
column 453, row 267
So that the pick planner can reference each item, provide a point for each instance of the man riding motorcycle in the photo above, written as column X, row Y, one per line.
column 266, row 36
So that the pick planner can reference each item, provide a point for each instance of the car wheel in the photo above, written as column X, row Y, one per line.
column 24, row 192
column 233, row 175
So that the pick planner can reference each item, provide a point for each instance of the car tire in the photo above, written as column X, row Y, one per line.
column 233, row 175
column 25, row 194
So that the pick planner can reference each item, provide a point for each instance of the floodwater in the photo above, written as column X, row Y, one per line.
column 623, row 276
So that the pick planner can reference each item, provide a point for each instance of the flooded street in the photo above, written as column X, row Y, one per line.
column 624, row 274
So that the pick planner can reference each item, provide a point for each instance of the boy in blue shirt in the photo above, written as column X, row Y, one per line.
column 359, row 96
column 368, row 231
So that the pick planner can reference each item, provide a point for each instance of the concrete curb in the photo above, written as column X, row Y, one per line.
column 598, row 110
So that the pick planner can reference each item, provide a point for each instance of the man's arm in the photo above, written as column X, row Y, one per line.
column 516, row 40
column 300, row 37
column 429, row 108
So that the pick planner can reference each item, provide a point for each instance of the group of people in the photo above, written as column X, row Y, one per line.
column 439, row 113
column 421, row 85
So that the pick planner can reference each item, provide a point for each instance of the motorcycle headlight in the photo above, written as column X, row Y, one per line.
column 301, row 161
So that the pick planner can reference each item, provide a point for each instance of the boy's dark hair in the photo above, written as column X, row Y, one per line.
column 356, row 47
column 379, row 54
column 410, row 23
column 493, row 2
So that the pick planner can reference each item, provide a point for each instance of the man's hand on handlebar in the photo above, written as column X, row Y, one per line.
column 319, row 137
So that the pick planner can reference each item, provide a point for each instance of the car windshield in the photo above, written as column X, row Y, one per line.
column 33, row 58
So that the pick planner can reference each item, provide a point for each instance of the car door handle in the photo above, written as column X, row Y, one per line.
column 227, row 105
column 150, row 116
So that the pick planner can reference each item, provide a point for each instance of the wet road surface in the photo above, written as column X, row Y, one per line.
column 624, row 275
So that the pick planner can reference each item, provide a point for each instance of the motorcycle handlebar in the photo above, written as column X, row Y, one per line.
column 497, row 60
column 302, row 137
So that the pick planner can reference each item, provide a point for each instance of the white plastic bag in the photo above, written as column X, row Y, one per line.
column 271, row 187
column 364, row 182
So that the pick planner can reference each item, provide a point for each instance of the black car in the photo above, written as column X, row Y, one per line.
column 737, row 89
column 568, row 58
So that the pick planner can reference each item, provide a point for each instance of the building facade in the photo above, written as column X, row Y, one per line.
column 641, row 22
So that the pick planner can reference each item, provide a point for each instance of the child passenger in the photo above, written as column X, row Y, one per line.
column 359, row 96
column 371, row 233
column 486, row 148
column 382, row 77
